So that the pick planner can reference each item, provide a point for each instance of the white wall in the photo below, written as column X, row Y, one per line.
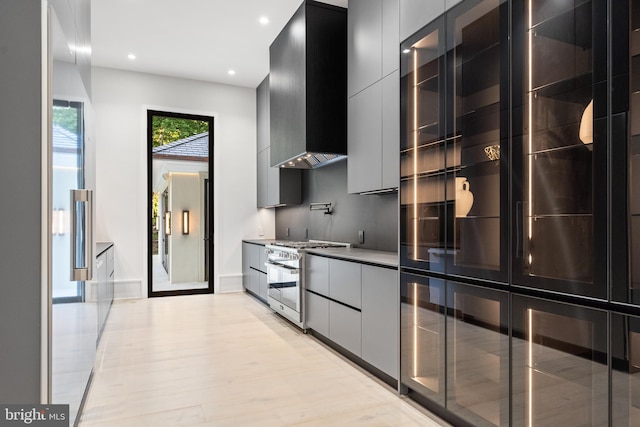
column 184, row 250
column 120, row 101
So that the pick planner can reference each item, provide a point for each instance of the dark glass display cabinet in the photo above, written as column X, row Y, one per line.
column 454, row 151
column 520, row 213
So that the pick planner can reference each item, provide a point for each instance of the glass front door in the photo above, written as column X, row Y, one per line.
column 68, row 174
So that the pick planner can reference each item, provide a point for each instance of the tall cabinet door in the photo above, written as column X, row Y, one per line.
column 423, row 213
column 477, row 138
column 625, row 151
column 560, row 146
column 454, row 151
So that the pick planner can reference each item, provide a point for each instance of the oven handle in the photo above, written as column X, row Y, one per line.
column 289, row 270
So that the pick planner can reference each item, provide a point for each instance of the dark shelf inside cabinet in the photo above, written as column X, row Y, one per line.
column 480, row 36
column 554, row 255
column 480, row 71
column 576, row 89
column 481, row 121
column 572, row 26
column 562, row 181
column 635, row 77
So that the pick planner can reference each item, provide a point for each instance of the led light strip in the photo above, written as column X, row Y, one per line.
column 415, row 154
column 530, row 132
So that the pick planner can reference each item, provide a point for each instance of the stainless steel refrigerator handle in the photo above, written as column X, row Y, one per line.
column 85, row 196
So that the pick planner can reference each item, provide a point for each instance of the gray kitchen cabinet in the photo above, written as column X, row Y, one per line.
column 364, row 167
column 345, row 327
column 317, row 274
column 356, row 306
column 345, row 283
column 373, row 128
column 317, row 313
column 390, row 143
column 372, row 42
column 390, row 36
column 263, row 178
column 380, row 318
column 262, row 116
column 263, row 287
column 276, row 187
column 253, row 270
column 364, row 41
column 104, row 285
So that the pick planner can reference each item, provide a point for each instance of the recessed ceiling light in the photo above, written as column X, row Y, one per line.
column 232, row 72
column 264, row 20
column 131, row 56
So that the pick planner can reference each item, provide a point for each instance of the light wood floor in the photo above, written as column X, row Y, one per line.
column 226, row 360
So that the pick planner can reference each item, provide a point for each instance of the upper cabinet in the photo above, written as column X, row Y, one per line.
column 373, row 109
column 625, row 151
column 308, row 66
column 276, row 186
column 560, row 103
column 454, row 143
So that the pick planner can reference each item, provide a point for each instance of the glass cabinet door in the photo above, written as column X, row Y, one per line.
column 422, row 335
column 423, row 150
column 478, row 354
column 625, row 151
column 625, row 374
column 560, row 146
column 559, row 364
column 478, row 54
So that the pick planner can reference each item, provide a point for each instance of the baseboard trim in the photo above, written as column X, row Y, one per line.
column 128, row 289
column 230, row 283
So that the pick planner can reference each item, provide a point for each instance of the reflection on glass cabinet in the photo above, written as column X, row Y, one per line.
column 422, row 335
column 559, row 363
column 633, row 152
column 625, row 376
column 563, row 144
column 478, row 354
column 453, row 150
column 423, row 150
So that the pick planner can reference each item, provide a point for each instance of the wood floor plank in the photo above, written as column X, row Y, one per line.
column 226, row 359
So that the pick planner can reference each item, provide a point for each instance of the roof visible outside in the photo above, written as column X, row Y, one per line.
column 64, row 140
column 195, row 147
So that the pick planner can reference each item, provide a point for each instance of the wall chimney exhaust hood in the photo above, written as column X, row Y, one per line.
column 308, row 88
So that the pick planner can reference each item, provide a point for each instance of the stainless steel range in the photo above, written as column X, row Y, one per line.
column 285, row 276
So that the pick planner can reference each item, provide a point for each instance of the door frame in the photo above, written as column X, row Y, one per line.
column 150, row 113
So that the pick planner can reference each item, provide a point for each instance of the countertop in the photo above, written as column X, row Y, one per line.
column 260, row 241
column 101, row 247
column 368, row 256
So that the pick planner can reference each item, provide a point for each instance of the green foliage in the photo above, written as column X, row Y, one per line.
column 169, row 129
column 66, row 118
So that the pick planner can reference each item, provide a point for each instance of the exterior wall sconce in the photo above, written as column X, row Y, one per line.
column 58, row 223
column 167, row 223
column 185, row 222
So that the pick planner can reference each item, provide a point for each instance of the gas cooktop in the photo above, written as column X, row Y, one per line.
column 311, row 244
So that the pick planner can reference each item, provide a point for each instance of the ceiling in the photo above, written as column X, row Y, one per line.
column 193, row 39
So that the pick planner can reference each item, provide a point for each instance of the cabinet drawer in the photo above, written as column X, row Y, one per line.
column 380, row 329
column 317, row 274
column 345, row 282
column 345, row 327
column 317, row 313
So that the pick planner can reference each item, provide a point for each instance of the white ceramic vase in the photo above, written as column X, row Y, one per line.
column 464, row 197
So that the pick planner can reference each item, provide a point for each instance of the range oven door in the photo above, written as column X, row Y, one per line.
column 284, row 285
